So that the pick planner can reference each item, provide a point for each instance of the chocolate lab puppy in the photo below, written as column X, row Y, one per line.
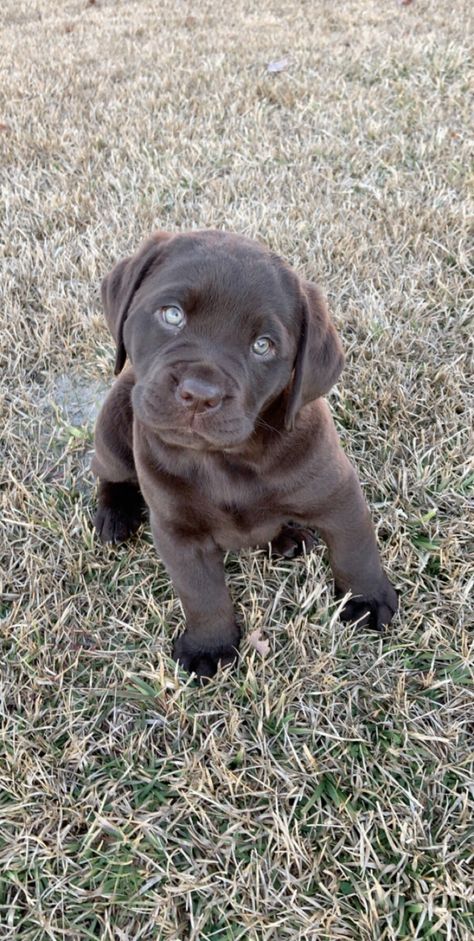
column 220, row 428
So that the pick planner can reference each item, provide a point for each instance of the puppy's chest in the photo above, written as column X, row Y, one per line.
column 228, row 500
column 242, row 508
column 230, row 485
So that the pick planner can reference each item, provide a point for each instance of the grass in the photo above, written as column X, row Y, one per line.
column 324, row 791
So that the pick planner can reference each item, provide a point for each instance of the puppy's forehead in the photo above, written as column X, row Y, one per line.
column 215, row 268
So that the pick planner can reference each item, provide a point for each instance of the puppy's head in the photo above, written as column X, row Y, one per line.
column 217, row 329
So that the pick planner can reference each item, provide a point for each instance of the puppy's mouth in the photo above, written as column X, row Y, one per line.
column 196, row 441
column 190, row 429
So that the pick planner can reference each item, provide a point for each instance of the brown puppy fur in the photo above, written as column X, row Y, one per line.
column 218, row 426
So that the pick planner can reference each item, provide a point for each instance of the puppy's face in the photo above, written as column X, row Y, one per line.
column 212, row 335
column 212, row 324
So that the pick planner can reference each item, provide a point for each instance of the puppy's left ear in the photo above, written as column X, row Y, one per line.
column 319, row 356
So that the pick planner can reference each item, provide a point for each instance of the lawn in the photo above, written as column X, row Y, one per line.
column 323, row 791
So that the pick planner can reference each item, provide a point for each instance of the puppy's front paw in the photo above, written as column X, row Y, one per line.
column 374, row 612
column 204, row 658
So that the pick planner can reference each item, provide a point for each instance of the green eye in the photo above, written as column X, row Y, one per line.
column 261, row 346
column 173, row 316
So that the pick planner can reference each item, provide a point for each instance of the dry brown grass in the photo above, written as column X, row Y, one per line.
column 323, row 792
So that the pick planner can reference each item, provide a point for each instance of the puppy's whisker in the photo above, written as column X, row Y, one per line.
column 264, row 424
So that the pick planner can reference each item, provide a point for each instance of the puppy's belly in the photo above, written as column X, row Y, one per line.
column 238, row 530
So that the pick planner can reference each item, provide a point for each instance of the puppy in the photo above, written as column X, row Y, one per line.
column 219, row 427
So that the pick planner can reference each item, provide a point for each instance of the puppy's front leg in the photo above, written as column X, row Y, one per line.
column 196, row 568
column 345, row 525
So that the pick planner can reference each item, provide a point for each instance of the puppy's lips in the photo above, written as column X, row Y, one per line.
column 189, row 436
column 189, row 430
column 197, row 442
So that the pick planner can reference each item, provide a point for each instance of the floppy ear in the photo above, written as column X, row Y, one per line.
column 119, row 287
column 319, row 356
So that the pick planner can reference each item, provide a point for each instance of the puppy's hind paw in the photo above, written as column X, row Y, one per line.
column 292, row 541
column 120, row 511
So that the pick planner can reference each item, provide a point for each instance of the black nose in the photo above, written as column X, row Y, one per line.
column 198, row 394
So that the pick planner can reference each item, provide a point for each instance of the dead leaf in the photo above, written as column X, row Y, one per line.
column 258, row 643
column 4, row 127
column 278, row 65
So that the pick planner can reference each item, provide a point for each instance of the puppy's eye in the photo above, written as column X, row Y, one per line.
column 261, row 346
column 173, row 316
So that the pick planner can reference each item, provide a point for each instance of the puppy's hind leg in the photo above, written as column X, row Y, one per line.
column 293, row 540
column 121, row 507
column 120, row 510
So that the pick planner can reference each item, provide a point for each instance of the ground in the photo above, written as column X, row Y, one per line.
column 322, row 791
